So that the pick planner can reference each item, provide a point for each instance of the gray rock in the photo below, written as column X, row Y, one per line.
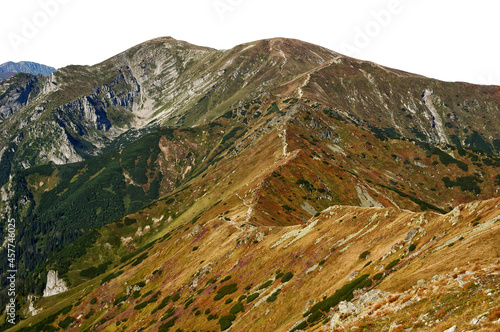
column 54, row 285
column 371, row 296
column 346, row 308
column 353, row 275
column 335, row 321
column 451, row 329
column 411, row 234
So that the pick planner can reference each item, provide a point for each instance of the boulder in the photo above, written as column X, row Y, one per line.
column 346, row 308
column 371, row 296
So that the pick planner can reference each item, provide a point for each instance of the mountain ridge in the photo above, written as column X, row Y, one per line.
column 159, row 86
column 26, row 67
column 273, row 186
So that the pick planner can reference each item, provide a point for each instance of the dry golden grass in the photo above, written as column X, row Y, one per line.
column 495, row 314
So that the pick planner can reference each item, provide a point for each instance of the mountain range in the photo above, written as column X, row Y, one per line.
column 9, row 69
column 275, row 186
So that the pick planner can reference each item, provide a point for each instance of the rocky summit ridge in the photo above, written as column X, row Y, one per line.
column 274, row 186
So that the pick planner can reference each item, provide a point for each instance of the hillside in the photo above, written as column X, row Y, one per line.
column 232, row 206
column 275, row 186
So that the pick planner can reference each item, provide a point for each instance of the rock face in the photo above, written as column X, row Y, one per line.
column 19, row 93
column 54, row 285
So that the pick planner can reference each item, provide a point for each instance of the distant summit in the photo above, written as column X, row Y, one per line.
column 10, row 68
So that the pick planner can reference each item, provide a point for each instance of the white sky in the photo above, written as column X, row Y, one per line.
column 452, row 40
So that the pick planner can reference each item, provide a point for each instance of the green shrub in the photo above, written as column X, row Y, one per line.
column 392, row 264
column 225, row 279
column 232, row 134
column 378, row 276
column 93, row 301
column 364, row 254
column 301, row 326
column 225, row 290
column 225, row 322
column 66, row 310
column 169, row 313
column 176, row 297
column 140, row 284
column 163, row 303
column 412, row 247
column 252, row 297
column 317, row 311
column 89, row 314
column 129, row 221
column 166, row 326
column 497, row 180
column 273, row 296
column 466, row 183
column 66, row 322
column 93, row 271
column 120, row 299
column 238, row 307
column 266, row 284
column 228, row 301
column 111, row 276
column 241, row 298
column 141, row 306
column 188, row 303
column 147, row 294
column 155, row 297
column 287, row 277
column 211, row 281
column 139, row 259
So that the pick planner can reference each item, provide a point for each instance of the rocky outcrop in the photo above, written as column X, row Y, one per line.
column 32, row 311
column 54, row 285
column 347, row 311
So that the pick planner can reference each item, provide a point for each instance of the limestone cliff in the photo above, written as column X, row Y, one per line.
column 54, row 285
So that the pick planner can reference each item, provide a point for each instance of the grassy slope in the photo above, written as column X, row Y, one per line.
column 231, row 204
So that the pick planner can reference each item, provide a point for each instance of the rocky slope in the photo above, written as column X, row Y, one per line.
column 295, row 215
column 374, row 268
